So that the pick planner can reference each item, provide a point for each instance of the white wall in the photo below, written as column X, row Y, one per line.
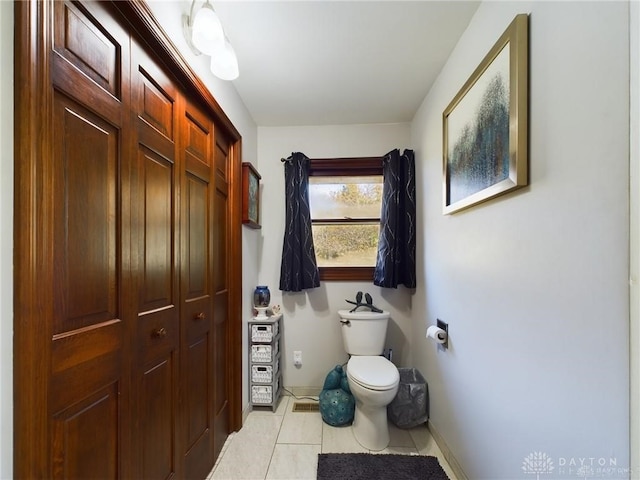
column 310, row 319
column 534, row 285
column 6, row 240
column 634, row 274
column 227, row 97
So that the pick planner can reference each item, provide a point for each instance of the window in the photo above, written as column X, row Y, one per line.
column 345, row 196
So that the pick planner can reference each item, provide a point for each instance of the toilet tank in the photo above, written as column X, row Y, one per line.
column 363, row 333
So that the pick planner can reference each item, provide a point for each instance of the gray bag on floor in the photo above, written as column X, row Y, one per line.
column 410, row 408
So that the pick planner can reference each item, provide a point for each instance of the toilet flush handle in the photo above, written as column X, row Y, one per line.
column 345, row 322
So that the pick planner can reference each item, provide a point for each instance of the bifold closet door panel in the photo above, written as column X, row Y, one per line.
column 196, row 286
column 84, row 195
column 221, row 308
column 155, row 260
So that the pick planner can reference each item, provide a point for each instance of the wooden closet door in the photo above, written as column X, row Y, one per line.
column 221, row 308
column 127, row 250
column 197, row 269
column 155, row 260
column 85, row 187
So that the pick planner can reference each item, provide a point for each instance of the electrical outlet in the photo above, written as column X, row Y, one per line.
column 297, row 358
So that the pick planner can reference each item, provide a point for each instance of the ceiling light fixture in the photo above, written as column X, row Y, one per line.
column 205, row 34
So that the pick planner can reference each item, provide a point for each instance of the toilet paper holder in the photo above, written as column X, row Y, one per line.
column 439, row 333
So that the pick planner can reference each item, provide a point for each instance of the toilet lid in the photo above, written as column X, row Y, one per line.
column 373, row 372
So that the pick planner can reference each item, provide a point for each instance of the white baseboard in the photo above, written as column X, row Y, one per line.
column 444, row 448
column 245, row 412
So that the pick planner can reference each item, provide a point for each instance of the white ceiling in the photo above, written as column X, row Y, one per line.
column 339, row 62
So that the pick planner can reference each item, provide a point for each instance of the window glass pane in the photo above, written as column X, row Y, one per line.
column 345, row 197
column 346, row 245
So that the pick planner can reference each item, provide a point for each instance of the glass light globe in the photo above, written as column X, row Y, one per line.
column 206, row 31
column 224, row 63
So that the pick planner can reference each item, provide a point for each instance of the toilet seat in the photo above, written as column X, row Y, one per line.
column 373, row 372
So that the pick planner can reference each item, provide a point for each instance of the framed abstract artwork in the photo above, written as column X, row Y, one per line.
column 250, row 196
column 485, row 127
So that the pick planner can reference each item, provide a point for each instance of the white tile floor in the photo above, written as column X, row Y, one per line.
column 285, row 445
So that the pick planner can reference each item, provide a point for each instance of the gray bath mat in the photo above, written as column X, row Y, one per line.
column 367, row 466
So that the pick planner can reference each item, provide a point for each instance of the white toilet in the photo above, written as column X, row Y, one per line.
column 373, row 379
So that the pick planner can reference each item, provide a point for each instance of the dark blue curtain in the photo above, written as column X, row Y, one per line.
column 299, row 269
column 396, row 260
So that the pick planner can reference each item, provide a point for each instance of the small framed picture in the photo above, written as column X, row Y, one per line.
column 250, row 196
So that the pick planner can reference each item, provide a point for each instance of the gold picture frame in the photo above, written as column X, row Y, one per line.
column 485, row 127
column 250, row 196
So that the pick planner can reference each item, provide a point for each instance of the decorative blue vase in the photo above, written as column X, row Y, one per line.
column 337, row 405
column 261, row 296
